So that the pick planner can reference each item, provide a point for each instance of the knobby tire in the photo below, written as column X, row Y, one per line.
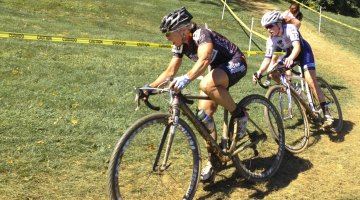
column 131, row 173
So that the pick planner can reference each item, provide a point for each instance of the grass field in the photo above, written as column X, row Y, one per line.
column 64, row 105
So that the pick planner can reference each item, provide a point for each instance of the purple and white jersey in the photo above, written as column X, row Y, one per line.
column 223, row 50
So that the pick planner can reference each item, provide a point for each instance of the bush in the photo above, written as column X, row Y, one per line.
column 343, row 7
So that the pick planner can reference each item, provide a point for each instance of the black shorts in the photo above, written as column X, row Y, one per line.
column 235, row 69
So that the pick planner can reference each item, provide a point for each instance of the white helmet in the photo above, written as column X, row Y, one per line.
column 271, row 18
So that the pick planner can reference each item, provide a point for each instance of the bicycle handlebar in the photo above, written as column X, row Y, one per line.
column 141, row 95
column 279, row 66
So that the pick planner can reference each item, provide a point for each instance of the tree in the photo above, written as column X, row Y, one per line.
column 343, row 7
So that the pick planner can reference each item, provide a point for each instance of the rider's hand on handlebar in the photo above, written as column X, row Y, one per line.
column 180, row 82
column 288, row 62
column 146, row 93
column 256, row 76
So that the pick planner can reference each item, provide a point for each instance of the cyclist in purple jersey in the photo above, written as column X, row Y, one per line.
column 205, row 47
column 287, row 37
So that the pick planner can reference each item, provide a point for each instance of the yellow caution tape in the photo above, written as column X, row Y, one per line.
column 261, row 52
column 242, row 23
column 93, row 41
column 329, row 18
column 80, row 40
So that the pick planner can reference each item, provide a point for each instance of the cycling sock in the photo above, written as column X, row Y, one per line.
column 322, row 105
column 238, row 112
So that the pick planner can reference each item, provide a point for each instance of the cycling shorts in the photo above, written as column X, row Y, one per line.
column 235, row 69
column 306, row 57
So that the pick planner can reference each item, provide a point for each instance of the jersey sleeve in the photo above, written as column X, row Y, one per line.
column 178, row 51
column 202, row 36
column 270, row 48
column 292, row 32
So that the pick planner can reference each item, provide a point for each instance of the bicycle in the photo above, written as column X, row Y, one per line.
column 159, row 156
column 294, row 92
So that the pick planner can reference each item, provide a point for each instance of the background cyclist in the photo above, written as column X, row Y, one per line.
column 293, row 14
column 290, row 16
column 205, row 47
column 286, row 37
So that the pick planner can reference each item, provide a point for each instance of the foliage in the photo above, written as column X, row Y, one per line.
column 343, row 7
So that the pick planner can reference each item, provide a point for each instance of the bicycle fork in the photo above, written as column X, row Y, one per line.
column 288, row 92
column 171, row 127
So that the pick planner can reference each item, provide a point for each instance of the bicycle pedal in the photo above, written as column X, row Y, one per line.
column 325, row 127
column 211, row 179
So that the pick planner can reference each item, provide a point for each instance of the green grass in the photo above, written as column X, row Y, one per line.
column 64, row 106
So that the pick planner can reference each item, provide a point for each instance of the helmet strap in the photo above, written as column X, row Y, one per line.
column 183, row 35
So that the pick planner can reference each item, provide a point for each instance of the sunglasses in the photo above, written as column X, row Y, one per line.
column 269, row 26
column 167, row 34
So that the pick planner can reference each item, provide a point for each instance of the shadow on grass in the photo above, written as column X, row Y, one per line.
column 289, row 170
column 333, row 136
column 338, row 87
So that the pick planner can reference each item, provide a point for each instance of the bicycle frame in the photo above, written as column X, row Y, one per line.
column 284, row 79
column 309, row 105
column 177, row 104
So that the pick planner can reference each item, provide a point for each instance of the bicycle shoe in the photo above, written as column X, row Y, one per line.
column 328, row 120
column 208, row 173
column 240, row 124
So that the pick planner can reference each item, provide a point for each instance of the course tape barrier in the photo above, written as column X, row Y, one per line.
column 80, row 40
column 241, row 22
column 38, row 37
column 329, row 18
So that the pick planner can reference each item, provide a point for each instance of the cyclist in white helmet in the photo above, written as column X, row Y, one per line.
column 291, row 16
column 286, row 37
column 205, row 47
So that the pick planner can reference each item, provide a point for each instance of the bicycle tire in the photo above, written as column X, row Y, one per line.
column 296, row 127
column 131, row 173
column 259, row 161
column 335, row 111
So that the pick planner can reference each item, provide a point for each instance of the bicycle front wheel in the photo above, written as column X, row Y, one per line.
column 260, row 152
column 334, row 107
column 147, row 164
column 294, row 118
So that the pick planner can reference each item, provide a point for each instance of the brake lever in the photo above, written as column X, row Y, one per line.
column 139, row 95
column 137, row 99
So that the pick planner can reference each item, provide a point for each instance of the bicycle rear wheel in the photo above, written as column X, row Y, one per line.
column 296, row 124
column 259, row 152
column 136, row 169
column 334, row 107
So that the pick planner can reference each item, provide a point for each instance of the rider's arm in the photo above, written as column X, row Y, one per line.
column 294, row 53
column 293, row 21
column 204, row 58
column 172, row 69
column 264, row 65
column 269, row 54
